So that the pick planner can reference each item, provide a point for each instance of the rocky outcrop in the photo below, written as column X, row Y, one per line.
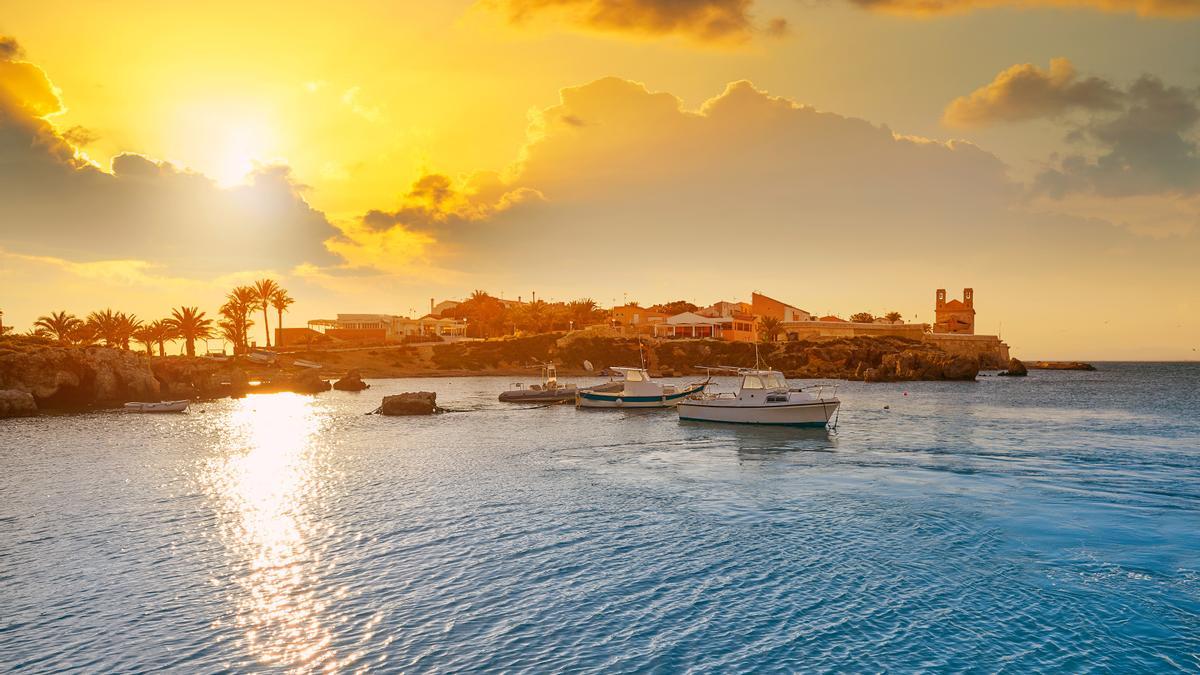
column 876, row 359
column 66, row 377
column 16, row 403
column 351, row 381
column 917, row 365
column 1060, row 365
column 1015, row 369
column 410, row 403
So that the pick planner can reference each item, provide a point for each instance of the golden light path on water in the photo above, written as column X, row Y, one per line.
column 267, row 480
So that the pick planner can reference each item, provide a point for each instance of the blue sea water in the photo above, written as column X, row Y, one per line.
column 1050, row 523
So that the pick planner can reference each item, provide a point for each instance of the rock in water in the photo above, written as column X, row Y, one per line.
column 307, row 382
column 352, row 381
column 1015, row 369
column 410, row 403
column 15, row 403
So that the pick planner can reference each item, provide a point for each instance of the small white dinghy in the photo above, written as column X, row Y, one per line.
column 764, row 397
column 158, row 407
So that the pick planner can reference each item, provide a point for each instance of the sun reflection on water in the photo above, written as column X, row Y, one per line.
column 268, row 482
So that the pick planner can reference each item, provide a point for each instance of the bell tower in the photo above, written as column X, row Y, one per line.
column 969, row 297
column 941, row 298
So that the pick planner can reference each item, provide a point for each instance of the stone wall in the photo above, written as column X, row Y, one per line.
column 811, row 330
column 991, row 350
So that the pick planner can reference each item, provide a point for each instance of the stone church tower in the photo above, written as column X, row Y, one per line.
column 955, row 316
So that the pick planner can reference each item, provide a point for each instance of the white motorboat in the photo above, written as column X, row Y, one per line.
column 637, row 390
column 764, row 397
column 158, row 407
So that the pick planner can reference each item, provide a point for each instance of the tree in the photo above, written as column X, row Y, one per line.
column 769, row 327
column 58, row 325
column 893, row 317
column 583, row 312
column 145, row 335
column 674, row 307
column 115, row 328
column 486, row 316
column 862, row 317
column 263, row 290
column 236, row 326
column 280, row 300
column 163, row 331
column 189, row 323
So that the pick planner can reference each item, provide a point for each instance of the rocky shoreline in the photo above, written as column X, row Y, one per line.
column 57, row 377
column 38, row 375
column 1059, row 365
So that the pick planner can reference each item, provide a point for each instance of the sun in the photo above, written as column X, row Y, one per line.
column 225, row 139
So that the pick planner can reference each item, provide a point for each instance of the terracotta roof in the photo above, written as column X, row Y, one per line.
column 832, row 318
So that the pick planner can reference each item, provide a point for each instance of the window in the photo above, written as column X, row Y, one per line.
column 752, row 382
column 775, row 381
column 634, row 376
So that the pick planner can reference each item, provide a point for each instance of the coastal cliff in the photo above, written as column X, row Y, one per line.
column 871, row 359
column 60, row 377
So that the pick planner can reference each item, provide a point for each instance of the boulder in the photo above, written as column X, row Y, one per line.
column 410, row 403
column 1015, row 369
column 304, row 382
column 352, row 381
column 15, row 403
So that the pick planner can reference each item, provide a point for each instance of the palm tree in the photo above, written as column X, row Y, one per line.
column 115, row 328
column 263, row 290
column 163, row 331
column 769, row 328
column 58, row 325
column 127, row 325
column 189, row 323
column 280, row 300
column 582, row 311
column 240, row 302
column 145, row 335
column 892, row 316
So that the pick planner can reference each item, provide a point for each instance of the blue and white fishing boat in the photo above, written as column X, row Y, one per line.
column 764, row 397
column 637, row 391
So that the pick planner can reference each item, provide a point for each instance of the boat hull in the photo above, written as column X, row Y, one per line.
column 807, row 414
column 158, row 407
column 563, row 395
column 598, row 399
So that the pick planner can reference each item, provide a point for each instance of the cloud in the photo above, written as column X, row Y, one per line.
column 9, row 49
column 706, row 21
column 1025, row 91
column 1148, row 148
column 53, row 200
column 1177, row 8
column 436, row 209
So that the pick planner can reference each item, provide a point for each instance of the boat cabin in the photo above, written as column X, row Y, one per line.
column 762, row 385
column 638, row 383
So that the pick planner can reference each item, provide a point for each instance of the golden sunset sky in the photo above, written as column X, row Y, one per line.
column 841, row 155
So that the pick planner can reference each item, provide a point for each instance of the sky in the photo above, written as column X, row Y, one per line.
column 840, row 155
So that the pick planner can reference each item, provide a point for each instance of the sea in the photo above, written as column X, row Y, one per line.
column 1041, row 524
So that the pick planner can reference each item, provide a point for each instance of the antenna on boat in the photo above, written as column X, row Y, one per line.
column 641, row 353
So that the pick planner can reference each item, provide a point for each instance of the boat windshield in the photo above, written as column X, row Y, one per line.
column 763, row 381
column 635, row 376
